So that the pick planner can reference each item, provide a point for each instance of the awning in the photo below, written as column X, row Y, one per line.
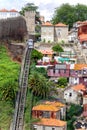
column 63, row 59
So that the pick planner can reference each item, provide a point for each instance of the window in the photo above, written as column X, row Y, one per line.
column 53, row 128
column 59, row 71
column 54, row 70
column 84, row 71
column 65, row 93
column 34, row 127
column 64, row 71
column 46, row 114
column 76, row 72
column 70, row 94
column 43, row 127
column 75, row 78
column 85, row 79
column 59, row 32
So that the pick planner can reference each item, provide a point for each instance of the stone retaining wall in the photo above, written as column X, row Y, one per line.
column 16, row 50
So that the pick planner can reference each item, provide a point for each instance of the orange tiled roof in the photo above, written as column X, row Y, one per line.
column 45, row 107
column 13, row 10
column 50, row 52
column 54, row 103
column 79, row 87
column 61, row 25
column 47, row 24
column 80, row 66
column 83, row 37
column 4, row 10
column 51, row 122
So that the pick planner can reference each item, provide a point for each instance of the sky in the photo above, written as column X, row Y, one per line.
column 46, row 7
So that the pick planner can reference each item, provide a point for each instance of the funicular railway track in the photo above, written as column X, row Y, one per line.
column 18, row 121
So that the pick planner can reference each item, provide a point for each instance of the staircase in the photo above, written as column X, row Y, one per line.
column 81, row 59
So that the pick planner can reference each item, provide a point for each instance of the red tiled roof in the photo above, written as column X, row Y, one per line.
column 83, row 37
column 47, row 24
column 80, row 66
column 45, row 107
column 4, row 10
column 46, row 52
column 51, row 122
column 61, row 25
column 79, row 87
column 13, row 10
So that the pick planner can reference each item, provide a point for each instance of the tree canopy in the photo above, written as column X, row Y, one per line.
column 39, row 85
column 69, row 14
column 57, row 48
column 29, row 7
column 62, row 82
column 36, row 55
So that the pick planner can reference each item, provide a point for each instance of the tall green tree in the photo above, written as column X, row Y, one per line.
column 57, row 48
column 62, row 82
column 28, row 7
column 80, row 12
column 39, row 85
column 69, row 14
column 63, row 14
column 36, row 55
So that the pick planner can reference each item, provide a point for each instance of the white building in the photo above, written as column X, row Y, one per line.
column 74, row 94
column 4, row 13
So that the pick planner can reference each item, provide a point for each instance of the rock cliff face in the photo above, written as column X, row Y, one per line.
column 16, row 50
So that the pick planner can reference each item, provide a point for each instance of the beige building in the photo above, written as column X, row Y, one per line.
column 47, row 32
column 49, row 115
column 51, row 33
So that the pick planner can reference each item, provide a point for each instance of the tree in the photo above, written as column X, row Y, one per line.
column 28, row 7
column 63, row 14
column 57, row 48
column 39, row 85
column 69, row 14
column 81, row 12
column 72, row 112
column 62, row 82
column 36, row 55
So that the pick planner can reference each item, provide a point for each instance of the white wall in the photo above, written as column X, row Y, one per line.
column 84, row 100
column 70, row 99
column 49, row 128
column 73, row 80
column 4, row 15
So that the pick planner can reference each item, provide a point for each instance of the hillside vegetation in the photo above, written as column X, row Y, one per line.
column 9, row 72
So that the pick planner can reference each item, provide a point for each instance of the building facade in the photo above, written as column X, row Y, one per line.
column 49, row 114
column 54, row 33
column 50, row 124
column 74, row 94
column 75, row 73
column 4, row 13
